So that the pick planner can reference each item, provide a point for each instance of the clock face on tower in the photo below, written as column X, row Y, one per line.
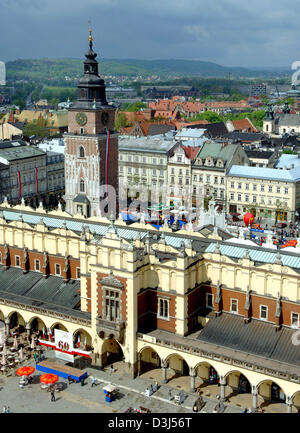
column 81, row 119
column 104, row 118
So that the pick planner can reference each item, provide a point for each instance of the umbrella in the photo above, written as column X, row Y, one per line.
column 21, row 354
column 32, row 343
column 25, row 371
column 48, row 378
column 15, row 346
column 3, row 362
column 4, row 350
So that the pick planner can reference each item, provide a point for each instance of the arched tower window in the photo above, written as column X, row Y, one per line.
column 81, row 152
column 81, row 185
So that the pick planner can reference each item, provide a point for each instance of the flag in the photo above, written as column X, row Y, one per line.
column 84, row 343
column 107, row 159
column 78, row 341
column 43, row 332
column 50, row 333
column 36, row 178
column 19, row 183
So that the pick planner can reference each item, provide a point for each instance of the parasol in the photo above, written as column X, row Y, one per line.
column 25, row 371
column 49, row 378
column 21, row 354
column 4, row 350
column 33, row 345
column 15, row 345
column 3, row 362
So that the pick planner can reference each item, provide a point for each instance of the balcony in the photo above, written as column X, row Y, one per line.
column 108, row 329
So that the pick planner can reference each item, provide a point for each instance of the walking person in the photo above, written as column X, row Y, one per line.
column 93, row 381
column 111, row 370
column 8, row 409
column 35, row 357
column 52, row 396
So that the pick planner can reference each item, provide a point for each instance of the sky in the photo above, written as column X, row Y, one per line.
column 227, row 32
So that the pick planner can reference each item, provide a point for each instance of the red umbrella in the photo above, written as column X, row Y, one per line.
column 48, row 378
column 25, row 371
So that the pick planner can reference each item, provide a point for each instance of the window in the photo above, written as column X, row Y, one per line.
column 112, row 305
column 161, row 161
column 161, row 172
column 129, row 169
column 154, row 171
column 136, row 159
column 239, row 197
column 222, row 180
column 81, row 152
column 254, row 187
column 186, row 172
column 77, row 273
column 263, row 312
column 278, row 190
column 144, row 159
column 57, row 269
column 209, row 300
column 233, row 305
column 247, row 185
column 172, row 170
column 286, row 190
column 80, row 209
column 295, row 320
column 239, row 185
column 163, row 308
column 254, row 199
column 82, row 189
column 207, row 179
column 247, row 198
column 216, row 179
column 231, row 196
column 179, row 158
column 37, row 265
column 136, row 170
column 195, row 177
column 129, row 158
column 17, row 260
column 154, row 160
column 231, row 184
column 121, row 157
column 270, row 189
column 144, row 171
column 180, row 172
column 81, row 130
column 121, row 169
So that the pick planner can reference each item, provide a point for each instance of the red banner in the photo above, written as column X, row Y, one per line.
column 20, row 186
column 36, row 178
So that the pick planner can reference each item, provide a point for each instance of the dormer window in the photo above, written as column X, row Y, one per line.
column 81, row 187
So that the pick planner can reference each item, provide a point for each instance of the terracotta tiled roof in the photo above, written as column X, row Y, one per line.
column 243, row 124
column 190, row 151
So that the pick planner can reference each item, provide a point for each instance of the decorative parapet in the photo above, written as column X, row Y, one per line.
column 109, row 329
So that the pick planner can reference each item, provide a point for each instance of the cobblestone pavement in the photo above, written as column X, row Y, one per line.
column 75, row 398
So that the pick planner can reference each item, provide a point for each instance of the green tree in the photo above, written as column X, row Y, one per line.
column 36, row 129
column 210, row 116
column 19, row 102
column 120, row 120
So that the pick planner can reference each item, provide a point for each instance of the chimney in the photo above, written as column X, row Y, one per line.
column 11, row 117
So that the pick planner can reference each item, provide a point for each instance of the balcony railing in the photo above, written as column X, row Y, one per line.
column 110, row 328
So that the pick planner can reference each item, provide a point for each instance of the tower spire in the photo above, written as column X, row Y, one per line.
column 90, row 36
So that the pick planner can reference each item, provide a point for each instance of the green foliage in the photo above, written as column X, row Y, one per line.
column 290, row 152
column 120, row 120
column 136, row 106
column 256, row 117
column 37, row 129
column 59, row 93
column 210, row 116
column 19, row 102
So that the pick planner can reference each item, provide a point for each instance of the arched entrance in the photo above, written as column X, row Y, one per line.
column 178, row 372
column 207, row 379
column 16, row 323
column 273, row 395
column 58, row 326
column 296, row 401
column 149, row 361
column 111, row 352
column 82, row 339
column 239, row 389
column 37, row 325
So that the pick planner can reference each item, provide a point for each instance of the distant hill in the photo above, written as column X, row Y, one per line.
column 59, row 68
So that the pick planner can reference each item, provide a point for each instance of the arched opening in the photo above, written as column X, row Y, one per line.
column 207, row 379
column 37, row 326
column 16, row 323
column 273, row 396
column 82, row 340
column 81, row 186
column 178, row 372
column 58, row 326
column 149, row 363
column 112, row 352
column 296, row 401
column 239, row 389
column 81, row 152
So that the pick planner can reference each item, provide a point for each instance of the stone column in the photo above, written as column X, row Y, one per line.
column 289, row 404
column 7, row 326
column 164, row 371
column 254, row 398
column 193, row 377
column 222, row 384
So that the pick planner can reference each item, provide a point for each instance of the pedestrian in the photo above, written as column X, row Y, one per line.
column 4, row 409
column 111, row 369
column 8, row 409
column 245, row 410
column 70, row 380
column 35, row 357
column 52, row 396
column 169, row 395
column 82, row 381
column 93, row 381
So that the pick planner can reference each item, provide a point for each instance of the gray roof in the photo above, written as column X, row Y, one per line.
column 289, row 120
column 257, row 337
column 291, row 175
column 156, row 143
column 39, row 290
column 81, row 198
